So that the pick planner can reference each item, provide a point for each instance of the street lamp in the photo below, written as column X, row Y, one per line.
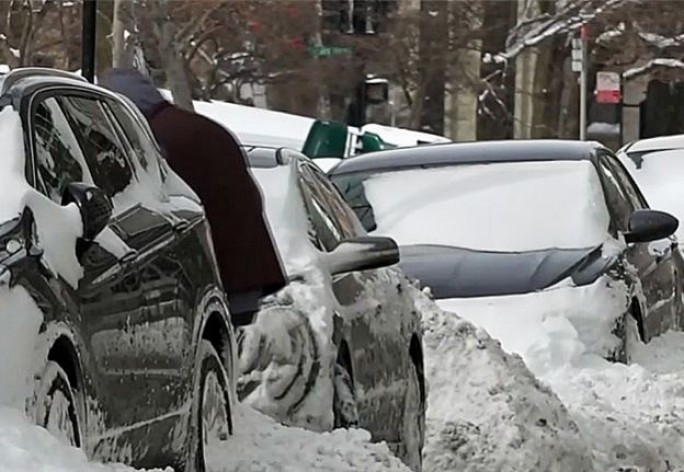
column 88, row 39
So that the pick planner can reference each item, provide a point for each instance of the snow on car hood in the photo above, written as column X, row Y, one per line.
column 563, row 325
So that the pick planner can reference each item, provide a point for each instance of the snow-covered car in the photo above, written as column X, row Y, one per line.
column 342, row 345
column 495, row 219
column 657, row 166
column 116, row 333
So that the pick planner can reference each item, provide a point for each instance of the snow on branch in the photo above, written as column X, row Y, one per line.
column 569, row 18
column 658, row 62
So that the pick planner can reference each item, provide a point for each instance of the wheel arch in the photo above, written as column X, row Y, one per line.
column 213, row 324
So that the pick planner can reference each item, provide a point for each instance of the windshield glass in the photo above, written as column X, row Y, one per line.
column 503, row 207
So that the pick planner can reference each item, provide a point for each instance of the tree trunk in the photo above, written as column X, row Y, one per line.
column 121, row 53
column 433, row 42
column 174, row 67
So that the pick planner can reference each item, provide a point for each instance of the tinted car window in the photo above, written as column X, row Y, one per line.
column 616, row 198
column 58, row 157
column 324, row 220
column 626, row 182
column 103, row 150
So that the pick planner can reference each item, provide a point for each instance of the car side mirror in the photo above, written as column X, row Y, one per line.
column 650, row 225
column 93, row 204
column 363, row 253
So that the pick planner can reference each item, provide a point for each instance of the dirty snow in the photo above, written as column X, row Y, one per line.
column 494, row 207
column 486, row 411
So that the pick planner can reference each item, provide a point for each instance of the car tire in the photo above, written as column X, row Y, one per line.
column 57, row 406
column 211, row 420
column 345, row 410
column 413, row 426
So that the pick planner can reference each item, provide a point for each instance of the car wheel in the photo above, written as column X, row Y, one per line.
column 212, row 420
column 413, row 430
column 56, row 407
column 345, row 410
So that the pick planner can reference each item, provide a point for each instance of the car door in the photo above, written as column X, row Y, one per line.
column 155, row 333
column 375, row 316
column 109, row 289
column 661, row 252
column 653, row 261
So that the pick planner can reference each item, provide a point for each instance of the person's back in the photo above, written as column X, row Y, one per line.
column 209, row 159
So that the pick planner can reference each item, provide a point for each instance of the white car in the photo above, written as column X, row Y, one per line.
column 657, row 165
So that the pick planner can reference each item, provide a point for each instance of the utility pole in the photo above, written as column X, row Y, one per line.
column 88, row 39
column 584, row 37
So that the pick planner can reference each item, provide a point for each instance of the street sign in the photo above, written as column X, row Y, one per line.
column 577, row 54
column 608, row 89
column 327, row 51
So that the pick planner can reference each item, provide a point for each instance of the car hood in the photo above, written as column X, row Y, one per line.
column 453, row 272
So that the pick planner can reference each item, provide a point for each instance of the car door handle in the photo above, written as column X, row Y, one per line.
column 181, row 225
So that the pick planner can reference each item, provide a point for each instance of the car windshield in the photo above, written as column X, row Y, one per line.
column 502, row 207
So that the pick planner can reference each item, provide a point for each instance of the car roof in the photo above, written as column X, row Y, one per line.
column 480, row 152
column 660, row 143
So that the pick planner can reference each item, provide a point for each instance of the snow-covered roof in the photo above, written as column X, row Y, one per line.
column 661, row 142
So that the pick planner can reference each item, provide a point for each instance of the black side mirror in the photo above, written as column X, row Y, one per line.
column 95, row 207
column 650, row 225
column 368, row 252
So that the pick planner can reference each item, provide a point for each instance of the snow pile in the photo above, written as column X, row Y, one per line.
column 433, row 206
column 659, row 178
column 552, row 328
column 262, row 445
column 486, row 411
column 24, row 447
column 631, row 415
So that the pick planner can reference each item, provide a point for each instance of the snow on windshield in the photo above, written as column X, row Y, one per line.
column 521, row 206
column 659, row 177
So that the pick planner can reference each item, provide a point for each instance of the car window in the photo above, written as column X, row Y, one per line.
column 626, row 182
column 353, row 189
column 617, row 200
column 104, row 152
column 58, row 157
column 323, row 219
column 145, row 148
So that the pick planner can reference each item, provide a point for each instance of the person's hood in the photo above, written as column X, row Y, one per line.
column 452, row 272
column 135, row 86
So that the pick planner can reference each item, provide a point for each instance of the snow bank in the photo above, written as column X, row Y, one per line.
column 486, row 411
column 24, row 447
column 262, row 445
column 659, row 178
column 495, row 207
column 631, row 415
column 558, row 326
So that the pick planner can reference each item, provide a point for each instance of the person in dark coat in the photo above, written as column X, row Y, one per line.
column 209, row 158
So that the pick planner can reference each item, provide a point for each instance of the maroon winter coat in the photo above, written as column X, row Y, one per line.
column 209, row 159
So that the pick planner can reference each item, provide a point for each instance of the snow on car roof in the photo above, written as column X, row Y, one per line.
column 659, row 143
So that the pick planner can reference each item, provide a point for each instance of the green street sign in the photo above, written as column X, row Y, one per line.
column 327, row 51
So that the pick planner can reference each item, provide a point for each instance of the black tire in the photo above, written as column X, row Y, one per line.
column 345, row 409
column 209, row 369
column 413, row 426
column 57, row 406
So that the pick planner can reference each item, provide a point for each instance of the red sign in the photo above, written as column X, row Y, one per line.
column 608, row 96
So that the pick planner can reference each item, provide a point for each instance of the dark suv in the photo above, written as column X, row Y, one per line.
column 108, row 281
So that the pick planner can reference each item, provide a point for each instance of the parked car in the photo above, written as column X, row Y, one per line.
column 492, row 219
column 657, row 166
column 376, row 330
column 109, row 253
